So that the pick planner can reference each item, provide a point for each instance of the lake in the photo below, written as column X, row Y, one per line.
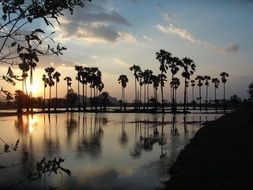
column 93, row 151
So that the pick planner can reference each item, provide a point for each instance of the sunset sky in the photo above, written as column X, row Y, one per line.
column 115, row 34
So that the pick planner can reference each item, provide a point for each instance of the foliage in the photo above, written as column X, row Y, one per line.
column 250, row 91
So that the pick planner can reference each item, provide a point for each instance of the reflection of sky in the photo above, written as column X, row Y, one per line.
column 92, row 148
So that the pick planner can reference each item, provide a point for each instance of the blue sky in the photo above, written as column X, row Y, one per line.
column 115, row 34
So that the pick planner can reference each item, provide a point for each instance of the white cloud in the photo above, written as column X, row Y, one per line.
column 147, row 38
column 120, row 62
column 182, row 33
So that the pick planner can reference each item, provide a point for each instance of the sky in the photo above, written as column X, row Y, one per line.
column 115, row 34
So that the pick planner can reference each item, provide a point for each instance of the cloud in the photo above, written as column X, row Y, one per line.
column 171, row 16
column 231, row 48
column 147, row 38
column 94, row 24
column 120, row 62
column 182, row 33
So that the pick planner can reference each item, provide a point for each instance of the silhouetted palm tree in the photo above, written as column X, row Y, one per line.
column 50, row 82
column 56, row 76
column 193, row 98
column 175, row 83
column 78, row 69
column 84, row 79
column 200, row 84
column 136, row 70
column 147, row 74
column 155, row 82
column 224, row 76
column 216, row 82
column 24, row 67
column 45, row 80
column 163, row 57
column 188, row 70
column 162, row 78
column 207, row 78
column 68, row 81
column 123, row 80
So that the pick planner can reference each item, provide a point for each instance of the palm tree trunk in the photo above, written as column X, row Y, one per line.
column 193, row 98
column 44, row 100
column 135, row 101
column 78, row 94
column 162, row 99
column 215, row 100
column 49, row 104
column 86, row 90
column 55, row 96
column 121, row 101
column 83, row 98
column 31, row 92
column 200, row 98
column 147, row 96
column 184, row 95
column 224, row 99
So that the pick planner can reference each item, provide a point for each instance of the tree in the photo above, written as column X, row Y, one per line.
column 147, row 74
column 68, row 82
column 45, row 81
column 155, row 82
column 206, row 78
column 163, row 57
column 123, row 80
column 188, row 70
column 235, row 101
column 78, row 77
column 21, row 45
column 136, row 69
column 200, row 84
column 193, row 98
column 250, row 91
column 84, row 79
column 50, row 82
column 216, row 82
column 56, row 76
column 224, row 76
column 175, row 83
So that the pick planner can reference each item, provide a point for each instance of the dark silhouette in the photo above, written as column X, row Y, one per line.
column 123, row 80
column 56, row 76
column 207, row 78
column 224, row 76
column 216, row 86
column 200, row 84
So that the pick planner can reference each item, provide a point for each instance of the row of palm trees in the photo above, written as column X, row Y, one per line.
column 174, row 65
column 91, row 76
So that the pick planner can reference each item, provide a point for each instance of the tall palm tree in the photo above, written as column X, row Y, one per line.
column 146, row 81
column 216, row 82
column 155, row 82
column 163, row 57
column 193, row 98
column 123, row 80
column 162, row 79
column 188, row 70
column 56, row 76
column 50, row 82
column 206, row 78
column 78, row 69
column 68, row 81
column 84, row 78
column 174, row 63
column 45, row 81
column 136, row 69
column 224, row 76
column 24, row 67
column 200, row 84
column 175, row 83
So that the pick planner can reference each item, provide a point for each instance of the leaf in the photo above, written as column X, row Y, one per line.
column 67, row 171
column 38, row 30
column 16, row 145
column 13, row 44
column 6, row 148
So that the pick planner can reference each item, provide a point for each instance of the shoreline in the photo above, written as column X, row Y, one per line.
column 219, row 156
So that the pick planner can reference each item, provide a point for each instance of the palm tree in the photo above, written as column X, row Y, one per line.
column 216, row 82
column 56, row 76
column 175, row 83
column 136, row 69
column 224, row 76
column 24, row 67
column 45, row 80
column 174, row 63
column 200, row 83
column 163, row 57
column 50, row 82
column 84, row 78
column 147, row 81
column 123, row 80
column 189, row 68
column 162, row 78
column 155, row 82
column 78, row 69
column 68, row 81
column 193, row 98
column 207, row 78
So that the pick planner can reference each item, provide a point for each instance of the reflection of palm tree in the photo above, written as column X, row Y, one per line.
column 189, row 68
column 207, row 78
column 123, row 80
column 68, row 81
column 200, row 84
column 136, row 70
column 49, row 71
column 216, row 86
column 163, row 57
column 224, row 76
column 56, row 76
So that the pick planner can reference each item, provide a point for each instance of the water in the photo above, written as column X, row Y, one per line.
column 102, row 151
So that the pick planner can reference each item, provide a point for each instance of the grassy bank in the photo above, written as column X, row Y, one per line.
column 220, row 156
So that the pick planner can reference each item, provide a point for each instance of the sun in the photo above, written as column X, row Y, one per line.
column 34, row 88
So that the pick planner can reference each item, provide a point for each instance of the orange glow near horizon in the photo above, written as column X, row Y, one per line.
column 34, row 88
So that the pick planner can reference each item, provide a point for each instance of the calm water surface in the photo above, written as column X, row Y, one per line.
column 102, row 151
